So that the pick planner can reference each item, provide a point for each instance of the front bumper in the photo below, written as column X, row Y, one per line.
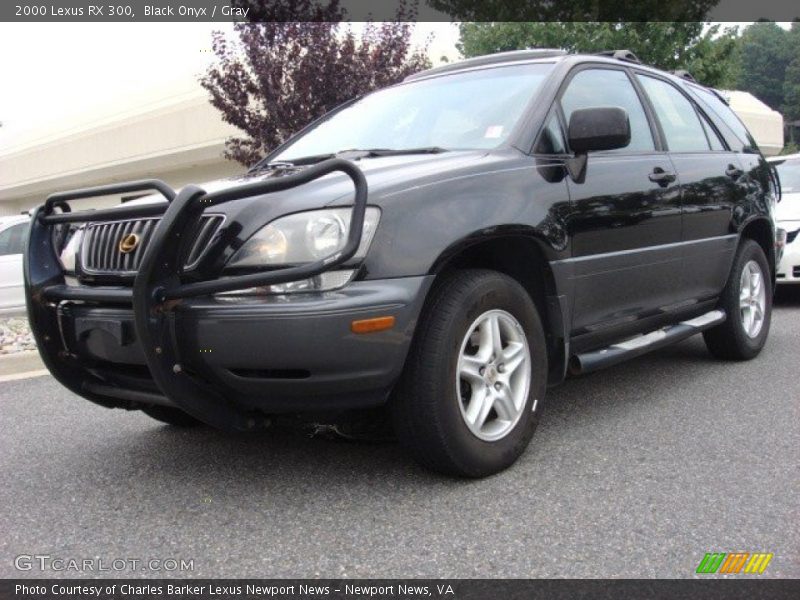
column 169, row 341
column 273, row 354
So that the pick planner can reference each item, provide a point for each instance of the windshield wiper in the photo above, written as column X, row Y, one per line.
column 376, row 152
column 289, row 164
column 354, row 153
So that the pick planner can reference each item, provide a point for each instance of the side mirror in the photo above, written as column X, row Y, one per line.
column 601, row 128
column 591, row 129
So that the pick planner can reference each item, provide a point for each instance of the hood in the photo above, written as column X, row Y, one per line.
column 388, row 174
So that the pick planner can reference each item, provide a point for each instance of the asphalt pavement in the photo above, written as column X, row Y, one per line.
column 636, row 471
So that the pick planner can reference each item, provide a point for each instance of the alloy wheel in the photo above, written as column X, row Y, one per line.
column 752, row 299
column 494, row 375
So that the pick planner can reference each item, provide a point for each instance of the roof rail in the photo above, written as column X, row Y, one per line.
column 489, row 59
column 684, row 74
column 625, row 55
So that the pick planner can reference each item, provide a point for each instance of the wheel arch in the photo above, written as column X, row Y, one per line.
column 760, row 230
column 523, row 257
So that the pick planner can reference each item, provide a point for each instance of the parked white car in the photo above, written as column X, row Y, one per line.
column 787, row 215
column 12, row 237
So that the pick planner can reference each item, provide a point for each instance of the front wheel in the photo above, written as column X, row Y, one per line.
column 473, row 386
column 747, row 301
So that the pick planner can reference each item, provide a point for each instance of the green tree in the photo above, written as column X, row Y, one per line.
column 791, row 78
column 668, row 45
column 619, row 11
column 765, row 51
column 273, row 77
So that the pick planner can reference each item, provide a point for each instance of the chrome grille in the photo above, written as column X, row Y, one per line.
column 100, row 253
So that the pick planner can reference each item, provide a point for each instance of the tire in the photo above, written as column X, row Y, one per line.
column 731, row 340
column 431, row 407
column 171, row 416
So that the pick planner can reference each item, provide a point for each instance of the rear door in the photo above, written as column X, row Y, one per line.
column 625, row 220
column 710, row 176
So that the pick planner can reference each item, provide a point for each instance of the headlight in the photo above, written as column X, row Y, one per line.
column 70, row 251
column 303, row 238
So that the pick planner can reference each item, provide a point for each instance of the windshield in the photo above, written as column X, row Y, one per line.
column 475, row 109
column 789, row 172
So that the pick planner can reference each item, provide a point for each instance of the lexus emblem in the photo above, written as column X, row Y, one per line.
column 129, row 243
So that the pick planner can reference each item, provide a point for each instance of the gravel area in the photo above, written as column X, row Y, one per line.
column 15, row 336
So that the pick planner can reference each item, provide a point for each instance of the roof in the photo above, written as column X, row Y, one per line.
column 514, row 56
column 489, row 59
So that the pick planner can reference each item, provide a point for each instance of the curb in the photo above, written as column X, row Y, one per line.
column 19, row 364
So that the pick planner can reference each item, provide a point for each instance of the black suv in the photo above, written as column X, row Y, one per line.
column 447, row 247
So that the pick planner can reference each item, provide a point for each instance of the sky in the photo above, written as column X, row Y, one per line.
column 70, row 75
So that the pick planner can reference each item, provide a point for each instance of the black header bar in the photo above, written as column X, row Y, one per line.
column 67, row 11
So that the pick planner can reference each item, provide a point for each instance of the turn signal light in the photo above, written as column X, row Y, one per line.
column 372, row 325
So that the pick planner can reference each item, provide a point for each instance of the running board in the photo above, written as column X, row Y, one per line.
column 641, row 344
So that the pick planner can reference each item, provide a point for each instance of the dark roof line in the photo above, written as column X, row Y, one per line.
column 489, row 59
column 684, row 74
column 625, row 55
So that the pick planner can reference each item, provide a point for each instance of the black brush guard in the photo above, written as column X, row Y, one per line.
column 158, row 288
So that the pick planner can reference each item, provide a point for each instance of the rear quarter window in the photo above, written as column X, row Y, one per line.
column 712, row 103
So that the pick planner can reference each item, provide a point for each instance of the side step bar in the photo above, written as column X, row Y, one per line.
column 642, row 344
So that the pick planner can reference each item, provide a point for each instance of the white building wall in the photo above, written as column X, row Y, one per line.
column 179, row 140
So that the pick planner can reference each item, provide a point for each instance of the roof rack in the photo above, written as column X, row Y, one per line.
column 489, row 59
column 684, row 74
column 625, row 55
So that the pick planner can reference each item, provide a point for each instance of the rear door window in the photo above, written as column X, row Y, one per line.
column 679, row 120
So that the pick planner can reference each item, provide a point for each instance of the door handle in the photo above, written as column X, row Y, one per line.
column 661, row 177
column 733, row 172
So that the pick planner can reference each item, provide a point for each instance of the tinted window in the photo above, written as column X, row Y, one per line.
column 552, row 139
column 473, row 109
column 679, row 121
column 606, row 87
column 712, row 135
column 789, row 173
column 724, row 112
column 12, row 239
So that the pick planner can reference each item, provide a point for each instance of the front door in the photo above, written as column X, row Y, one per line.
column 625, row 218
